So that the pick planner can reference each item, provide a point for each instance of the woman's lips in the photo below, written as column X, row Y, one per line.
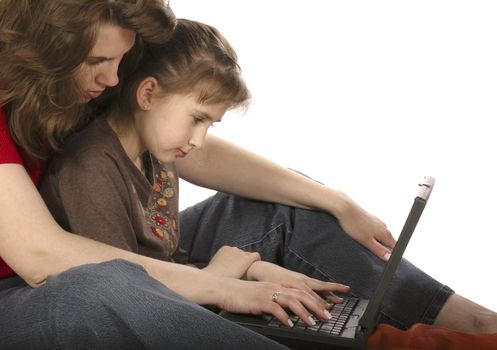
column 94, row 94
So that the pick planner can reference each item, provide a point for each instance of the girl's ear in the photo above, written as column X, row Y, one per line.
column 145, row 92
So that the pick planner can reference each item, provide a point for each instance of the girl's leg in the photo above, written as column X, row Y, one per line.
column 113, row 305
column 313, row 243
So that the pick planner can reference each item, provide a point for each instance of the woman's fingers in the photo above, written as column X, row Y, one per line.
column 300, row 303
column 276, row 309
column 272, row 298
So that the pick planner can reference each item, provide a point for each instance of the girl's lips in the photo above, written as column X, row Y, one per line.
column 180, row 153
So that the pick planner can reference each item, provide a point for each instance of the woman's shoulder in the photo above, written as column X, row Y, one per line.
column 93, row 148
column 10, row 153
column 95, row 138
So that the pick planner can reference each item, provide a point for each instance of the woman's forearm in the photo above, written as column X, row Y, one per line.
column 226, row 167
column 35, row 246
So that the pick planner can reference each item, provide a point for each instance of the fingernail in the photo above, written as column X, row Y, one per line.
column 328, row 315
column 290, row 323
column 311, row 319
column 387, row 256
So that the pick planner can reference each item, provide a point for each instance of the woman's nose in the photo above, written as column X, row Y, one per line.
column 108, row 76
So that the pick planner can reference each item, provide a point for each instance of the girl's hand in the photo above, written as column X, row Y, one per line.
column 268, row 272
column 367, row 229
column 231, row 262
column 253, row 297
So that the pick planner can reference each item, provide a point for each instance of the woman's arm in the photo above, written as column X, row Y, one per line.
column 226, row 167
column 223, row 166
column 33, row 244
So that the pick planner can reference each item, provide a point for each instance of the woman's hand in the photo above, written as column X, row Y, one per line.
column 366, row 229
column 231, row 262
column 254, row 297
column 268, row 272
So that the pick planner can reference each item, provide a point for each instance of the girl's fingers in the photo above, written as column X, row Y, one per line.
column 330, row 287
column 316, row 296
column 327, row 289
column 321, row 291
column 330, row 296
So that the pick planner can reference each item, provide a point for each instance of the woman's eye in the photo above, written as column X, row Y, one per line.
column 93, row 63
column 197, row 120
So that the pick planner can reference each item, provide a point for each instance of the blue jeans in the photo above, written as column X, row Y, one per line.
column 313, row 243
column 113, row 305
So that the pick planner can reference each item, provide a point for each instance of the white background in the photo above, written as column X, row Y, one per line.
column 370, row 96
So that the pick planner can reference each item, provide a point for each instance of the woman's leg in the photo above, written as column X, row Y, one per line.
column 113, row 305
column 461, row 314
column 313, row 243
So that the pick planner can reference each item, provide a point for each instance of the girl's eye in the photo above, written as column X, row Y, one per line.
column 197, row 120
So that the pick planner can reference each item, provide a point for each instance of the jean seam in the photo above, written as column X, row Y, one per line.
column 325, row 276
column 262, row 238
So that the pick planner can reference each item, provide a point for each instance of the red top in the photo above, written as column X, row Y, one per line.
column 11, row 154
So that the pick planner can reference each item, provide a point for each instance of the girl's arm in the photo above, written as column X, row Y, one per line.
column 225, row 167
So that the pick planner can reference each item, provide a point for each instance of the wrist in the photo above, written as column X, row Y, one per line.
column 340, row 204
column 227, row 290
column 218, row 290
column 253, row 270
column 254, row 258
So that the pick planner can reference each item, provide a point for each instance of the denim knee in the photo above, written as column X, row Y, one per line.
column 94, row 303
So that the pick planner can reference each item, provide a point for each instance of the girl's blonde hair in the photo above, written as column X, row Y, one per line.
column 197, row 60
column 42, row 42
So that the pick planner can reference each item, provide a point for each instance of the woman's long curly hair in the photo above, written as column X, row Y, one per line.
column 42, row 42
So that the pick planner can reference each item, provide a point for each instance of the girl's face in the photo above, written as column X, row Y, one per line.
column 99, row 70
column 175, row 125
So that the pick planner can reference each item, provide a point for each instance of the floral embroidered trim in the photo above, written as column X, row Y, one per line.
column 161, row 220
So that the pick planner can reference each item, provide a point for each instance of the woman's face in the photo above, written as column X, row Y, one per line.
column 99, row 70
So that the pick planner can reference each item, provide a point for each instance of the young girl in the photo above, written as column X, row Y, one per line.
column 121, row 170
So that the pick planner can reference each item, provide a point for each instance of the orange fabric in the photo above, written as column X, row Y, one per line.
column 422, row 336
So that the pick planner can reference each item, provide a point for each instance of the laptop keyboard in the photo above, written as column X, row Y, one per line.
column 339, row 316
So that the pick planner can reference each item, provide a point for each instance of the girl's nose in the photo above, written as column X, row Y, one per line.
column 198, row 138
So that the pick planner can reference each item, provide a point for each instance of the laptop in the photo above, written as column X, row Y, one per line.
column 353, row 320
